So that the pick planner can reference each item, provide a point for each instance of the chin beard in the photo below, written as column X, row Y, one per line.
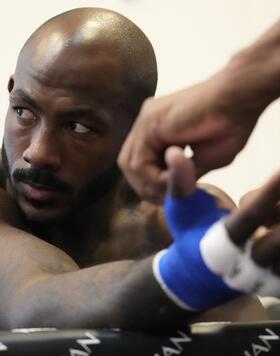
column 92, row 192
column 40, row 225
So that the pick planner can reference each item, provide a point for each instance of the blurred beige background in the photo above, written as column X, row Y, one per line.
column 192, row 39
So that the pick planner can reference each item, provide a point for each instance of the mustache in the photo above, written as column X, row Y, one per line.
column 42, row 177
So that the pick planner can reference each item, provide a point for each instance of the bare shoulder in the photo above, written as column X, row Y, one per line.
column 20, row 251
column 24, row 261
column 139, row 224
column 140, row 228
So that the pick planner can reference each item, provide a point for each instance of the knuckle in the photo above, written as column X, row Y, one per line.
column 134, row 165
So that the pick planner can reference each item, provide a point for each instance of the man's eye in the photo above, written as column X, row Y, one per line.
column 24, row 114
column 76, row 127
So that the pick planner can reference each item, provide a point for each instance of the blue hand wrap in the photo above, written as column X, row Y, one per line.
column 182, row 268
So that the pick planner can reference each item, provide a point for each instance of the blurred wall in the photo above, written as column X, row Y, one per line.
column 192, row 39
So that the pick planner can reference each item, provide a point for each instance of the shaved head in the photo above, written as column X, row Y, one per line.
column 90, row 34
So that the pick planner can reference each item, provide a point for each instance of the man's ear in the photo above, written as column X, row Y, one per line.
column 11, row 83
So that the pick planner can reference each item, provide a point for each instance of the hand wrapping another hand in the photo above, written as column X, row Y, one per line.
column 213, row 258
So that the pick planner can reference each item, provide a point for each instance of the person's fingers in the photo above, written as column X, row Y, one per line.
column 242, row 223
column 143, row 168
column 266, row 251
column 153, row 192
column 152, row 187
column 181, row 180
column 273, row 218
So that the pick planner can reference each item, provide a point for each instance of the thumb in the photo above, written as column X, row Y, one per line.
column 181, row 173
column 180, row 184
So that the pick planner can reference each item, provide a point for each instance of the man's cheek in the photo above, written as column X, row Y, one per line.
column 10, row 161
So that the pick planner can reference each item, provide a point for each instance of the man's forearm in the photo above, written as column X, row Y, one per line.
column 121, row 294
column 253, row 74
column 42, row 286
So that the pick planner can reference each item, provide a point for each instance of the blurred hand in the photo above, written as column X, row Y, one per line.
column 208, row 117
column 215, row 118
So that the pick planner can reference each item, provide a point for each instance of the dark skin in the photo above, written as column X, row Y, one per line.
column 67, row 120
column 77, row 256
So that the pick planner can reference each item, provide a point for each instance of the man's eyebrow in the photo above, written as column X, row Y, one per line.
column 20, row 94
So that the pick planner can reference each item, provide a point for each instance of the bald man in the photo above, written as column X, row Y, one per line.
column 76, row 245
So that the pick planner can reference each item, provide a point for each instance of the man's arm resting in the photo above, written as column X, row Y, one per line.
column 42, row 286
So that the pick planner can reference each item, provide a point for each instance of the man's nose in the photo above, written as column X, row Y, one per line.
column 43, row 150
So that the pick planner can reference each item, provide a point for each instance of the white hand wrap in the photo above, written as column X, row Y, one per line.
column 236, row 266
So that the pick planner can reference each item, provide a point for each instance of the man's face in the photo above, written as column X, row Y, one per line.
column 63, row 131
